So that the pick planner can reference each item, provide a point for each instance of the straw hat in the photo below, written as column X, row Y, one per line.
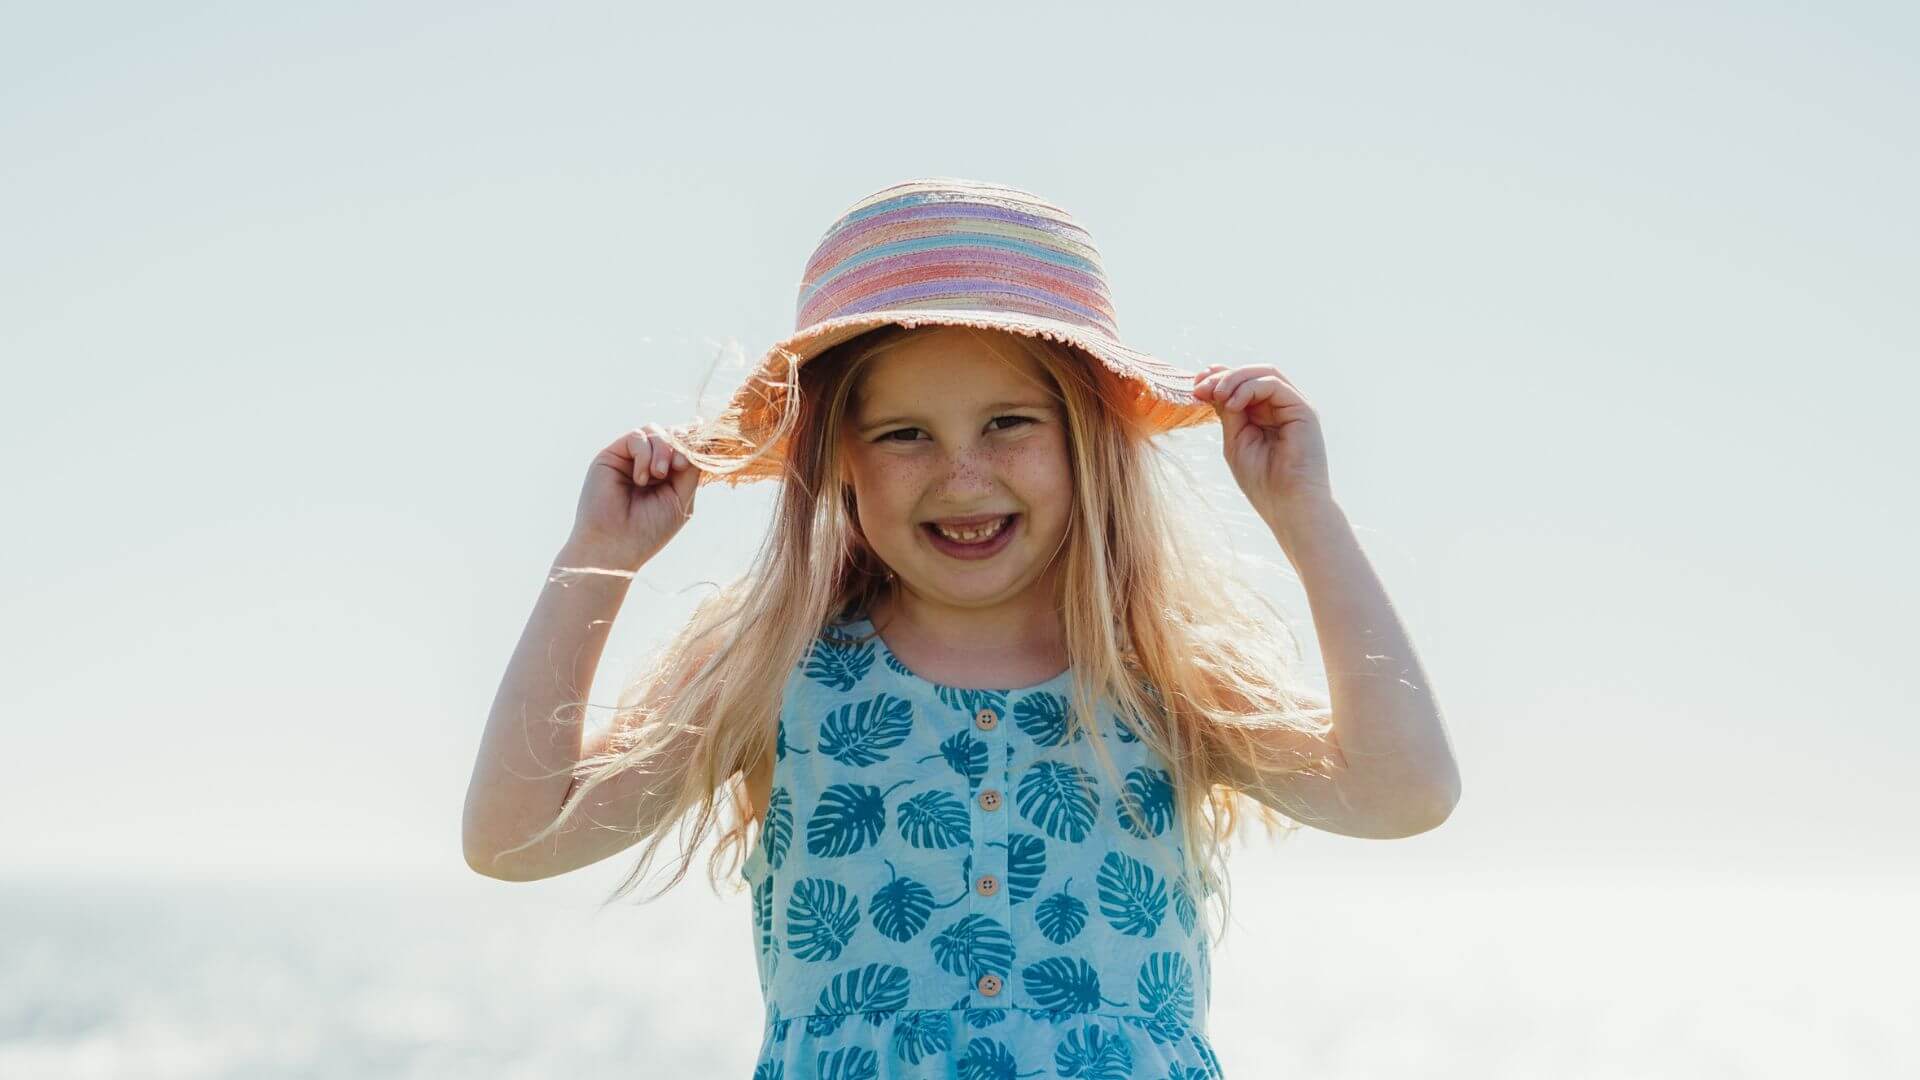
column 947, row 251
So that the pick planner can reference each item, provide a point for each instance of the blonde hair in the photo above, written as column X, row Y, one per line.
column 1154, row 623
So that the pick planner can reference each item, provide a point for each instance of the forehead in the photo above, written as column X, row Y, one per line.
column 949, row 364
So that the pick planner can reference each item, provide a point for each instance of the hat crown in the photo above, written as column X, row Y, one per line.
column 949, row 243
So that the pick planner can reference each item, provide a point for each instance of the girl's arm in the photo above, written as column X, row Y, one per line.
column 638, row 493
column 522, row 774
column 1396, row 775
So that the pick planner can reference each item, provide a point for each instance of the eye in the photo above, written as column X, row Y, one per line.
column 889, row 436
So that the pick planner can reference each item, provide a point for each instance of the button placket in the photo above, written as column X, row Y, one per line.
column 988, row 892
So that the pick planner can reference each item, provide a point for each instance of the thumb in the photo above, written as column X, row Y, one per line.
column 685, row 483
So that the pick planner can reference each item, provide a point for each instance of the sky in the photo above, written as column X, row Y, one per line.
column 313, row 317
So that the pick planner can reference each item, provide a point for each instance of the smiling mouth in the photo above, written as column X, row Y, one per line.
column 974, row 534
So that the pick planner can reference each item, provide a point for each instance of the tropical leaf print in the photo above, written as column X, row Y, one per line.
column 974, row 946
column 986, row 1059
column 781, row 748
column 848, row 1063
column 900, row 908
column 821, row 918
column 1094, row 1053
column 770, row 1070
column 1043, row 716
column 1205, row 1049
column 893, row 664
column 849, row 817
column 1145, row 805
column 1026, row 864
column 984, row 1018
column 921, row 1032
column 861, row 732
column 839, row 665
column 965, row 755
column 1187, row 1072
column 970, row 701
column 1060, row 798
column 1065, row 984
column 935, row 819
column 763, row 914
column 778, row 1024
column 776, row 832
column 1123, row 728
column 1061, row 916
column 1132, row 896
column 1166, row 996
column 870, row 988
column 1183, row 908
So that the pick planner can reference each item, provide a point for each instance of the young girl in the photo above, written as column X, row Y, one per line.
column 990, row 700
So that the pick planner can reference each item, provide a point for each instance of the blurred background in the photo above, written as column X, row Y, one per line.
column 312, row 318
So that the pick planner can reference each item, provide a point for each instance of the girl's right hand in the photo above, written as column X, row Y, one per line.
column 638, row 493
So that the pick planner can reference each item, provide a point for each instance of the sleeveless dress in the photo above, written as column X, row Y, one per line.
column 944, row 886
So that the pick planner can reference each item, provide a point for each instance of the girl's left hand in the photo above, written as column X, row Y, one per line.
column 1271, row 435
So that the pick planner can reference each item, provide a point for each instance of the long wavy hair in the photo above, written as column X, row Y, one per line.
column 1156, row 626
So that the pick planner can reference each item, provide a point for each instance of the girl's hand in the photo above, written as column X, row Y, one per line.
column 638, row 493
column 1271, row 436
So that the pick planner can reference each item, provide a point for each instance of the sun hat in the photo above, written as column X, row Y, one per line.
column 942, row 250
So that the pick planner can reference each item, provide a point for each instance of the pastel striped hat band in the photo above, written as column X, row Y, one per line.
column 947, row 251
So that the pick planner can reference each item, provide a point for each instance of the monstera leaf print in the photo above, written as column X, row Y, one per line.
column 1123, row 728
column 781, row 748
column 763, row 916
column 965, row 755
column 1183, row 907
column 921, row 1032
column 986, row 1059
column 1026, row 864
column 1132, row 896
column 861, row 732
column 1094, row 1053
column 1059, row 798
column 871, row 988
column 839, row 665
column 900, row 908
column 821, row 918
column 1166, row 996
column 978, row 1019
column 1043, row 717
column 1064, row 984
column 1145, row 805
column 1204, row 1048
column 849, row 817
column 935, row 819
column 776, row 832
column 770, row 1070
column 1061, row 916
column 971, row 701
column 974, row 946
column 848, row 1063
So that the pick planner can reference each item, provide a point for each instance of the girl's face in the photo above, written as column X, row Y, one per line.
column 942, row 430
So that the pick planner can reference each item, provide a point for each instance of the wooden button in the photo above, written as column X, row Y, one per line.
column 990, row 800
column 985, row 719
column 988, row 885
column 989, row 984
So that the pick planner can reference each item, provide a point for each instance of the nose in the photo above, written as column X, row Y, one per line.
column 966, row 469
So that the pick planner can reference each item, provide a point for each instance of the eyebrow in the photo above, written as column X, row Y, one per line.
column 994, row 407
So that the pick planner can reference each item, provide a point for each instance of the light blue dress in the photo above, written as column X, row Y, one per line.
column 945, row 886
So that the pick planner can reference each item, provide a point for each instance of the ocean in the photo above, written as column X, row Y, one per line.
column 1322, row 975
